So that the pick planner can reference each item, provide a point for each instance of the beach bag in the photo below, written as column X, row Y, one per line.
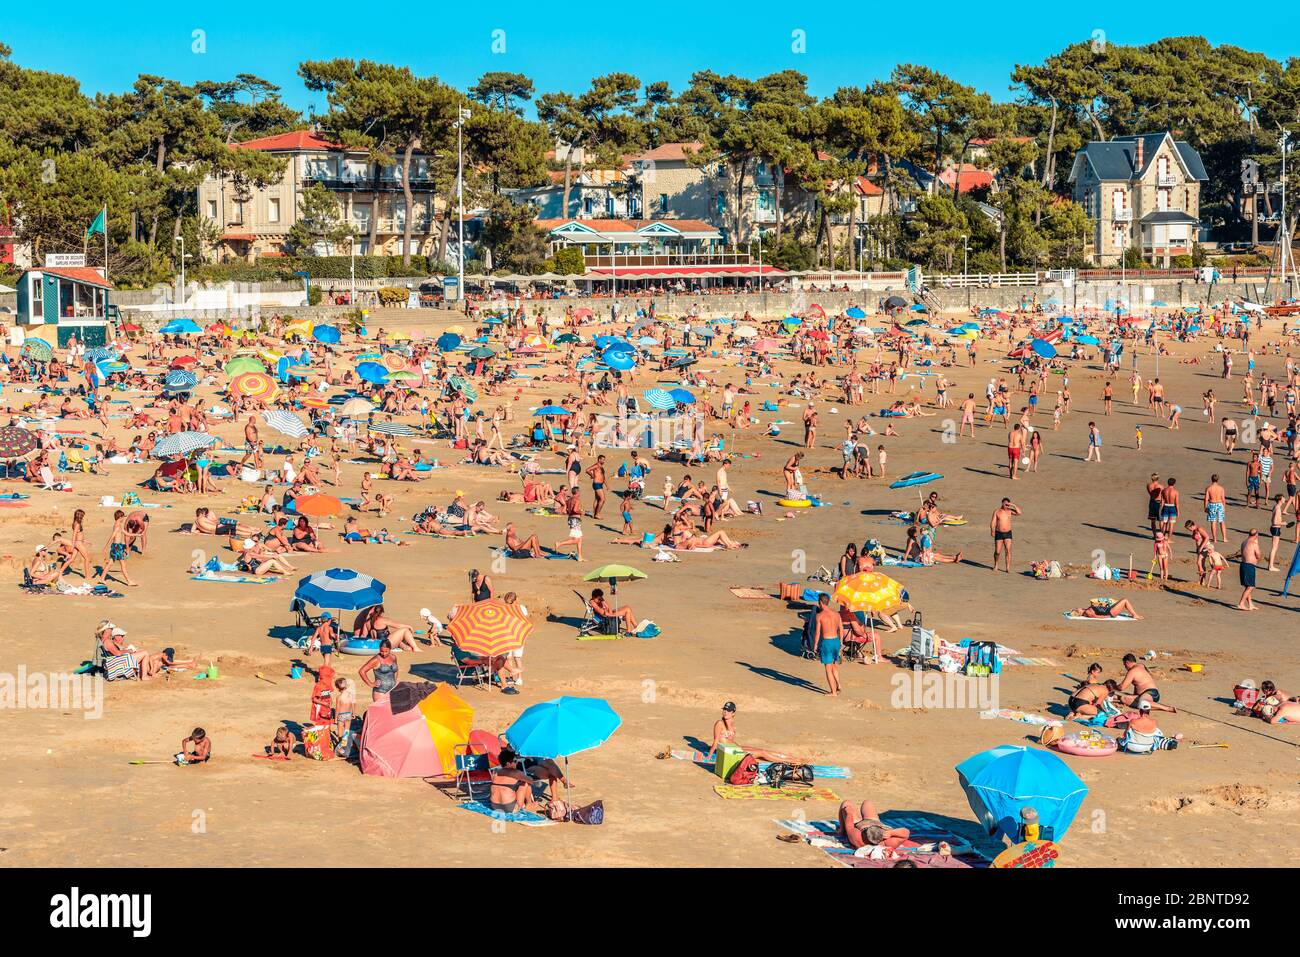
column 779, row 774
column 746, row 772
column 316, row 742
column 1051, row 734
column 593, row 813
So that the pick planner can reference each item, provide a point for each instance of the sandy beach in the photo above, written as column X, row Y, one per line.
column 70, row 796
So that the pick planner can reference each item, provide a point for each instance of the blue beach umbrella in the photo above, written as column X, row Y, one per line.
column 180, row 327
column 1001, row 781
column 563, row 726
column 372, row 372
column 326, row 334
column 1087, row 340
column 682, row 396
column 447, row 342
column 178, row 380
column 552, row 410
column 1042, row 347
column 660, row 399
column 624, row 361
column 853, row 312
column 340, row 588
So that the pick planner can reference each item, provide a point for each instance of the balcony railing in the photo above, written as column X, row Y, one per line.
column 1166, row 179
column 668, row 259
column 349, row 184
column 764, row 215
column 1121, row 215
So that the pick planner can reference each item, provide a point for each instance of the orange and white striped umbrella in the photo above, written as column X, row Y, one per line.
column 489, row 628
column 869, row 591
column 393, row 361
column 255, row 385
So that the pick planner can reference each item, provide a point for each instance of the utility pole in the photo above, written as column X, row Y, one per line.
column 464, row 115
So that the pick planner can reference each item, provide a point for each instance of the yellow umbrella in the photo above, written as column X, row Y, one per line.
column 397, row 336
column 303, row 326
column 869, row 591
column 455, row 330
column 449, row 719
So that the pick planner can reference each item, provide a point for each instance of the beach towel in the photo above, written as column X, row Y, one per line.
column 927, row 833
column 1066, row 614
column 119, row 666
column 526, row 818
column 79, row 591
column 761, row 792
column 233, row 579
column 741, row 591
column 890, row 562
column 819, row 770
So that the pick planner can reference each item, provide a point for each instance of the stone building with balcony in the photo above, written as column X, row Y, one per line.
column 1140, row 192
column 255, row 221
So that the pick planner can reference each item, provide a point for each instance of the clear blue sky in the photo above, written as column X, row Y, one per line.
column 561, row 46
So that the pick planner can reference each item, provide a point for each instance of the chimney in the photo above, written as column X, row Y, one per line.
column 1137, row 158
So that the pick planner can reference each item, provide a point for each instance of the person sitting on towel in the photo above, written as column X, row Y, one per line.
column 511, row 789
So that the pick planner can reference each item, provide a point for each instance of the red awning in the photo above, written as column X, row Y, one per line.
column 683, row 272
column 238, row 237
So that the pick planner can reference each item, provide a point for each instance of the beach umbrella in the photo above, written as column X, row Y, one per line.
column 552, row 410
column 1042, row 347
column 683, row 363
column 461, row 385
column 315, row 402
column 318, row 506
column 182, row 443
column 791, row 321
column 372, row 372
column 356, row 408
column 390, row 428
column 660, row 399
column 613, row 342
column 745, row 332
column 816, row 310
column 481, row 352
column 286, row 423
column 854, row 312
column 108, row 368
column 100, row 353
column 182, row 362
column 614, row 574
column 456, row 330
column 180, row 327
column 682, row 396
column 17, row 442
column 582, row 312
column 917, row 307
column 893, row 302
column 329, row 335
column 403, row 375
column 1003, row 780
column 393, row 361
column 489, row 628
column 255, row 385
column 241, row 364
column 1160, row 304
column 130, row 327
column 869, row 591
column 178, row 380
column 38, row 350
column 341, row 588
column 566, row 338
column 562, row 727
column 1087, row 340
column 449, row 718
column 219, row 329
column 618, row 359
column 447, row 342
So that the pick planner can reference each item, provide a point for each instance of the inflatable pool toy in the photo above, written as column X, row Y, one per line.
column 359, row 646
column 795, row 502
column 1087, row 744
column 915, row 478
column 1027, row 854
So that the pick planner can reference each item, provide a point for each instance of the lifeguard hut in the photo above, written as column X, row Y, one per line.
column 62, row 299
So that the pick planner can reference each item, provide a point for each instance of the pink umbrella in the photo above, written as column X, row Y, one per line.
column 398, row 746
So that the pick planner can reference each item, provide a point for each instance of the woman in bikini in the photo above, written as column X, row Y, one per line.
column 724, row 732
column 79, row 548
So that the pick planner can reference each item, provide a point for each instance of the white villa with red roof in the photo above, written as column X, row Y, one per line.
column 257, row 221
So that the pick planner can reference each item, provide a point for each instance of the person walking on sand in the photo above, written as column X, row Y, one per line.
column 1216, row 504
column 1015, row 448
column 1000, row 529
column 826, row 642
column 1169, row 500
column 1094, row 442
column 1250, row 554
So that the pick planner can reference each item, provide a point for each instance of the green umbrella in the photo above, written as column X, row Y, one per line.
column 241, row 364
column 481, row 352
column 38, row 349
column 402, row 375
column 614, row 574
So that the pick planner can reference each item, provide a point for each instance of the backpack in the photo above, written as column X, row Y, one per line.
column 746, row 772
column 779, row 774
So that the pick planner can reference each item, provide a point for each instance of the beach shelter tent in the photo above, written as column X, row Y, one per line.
column 1003, row 780
column 418, row 743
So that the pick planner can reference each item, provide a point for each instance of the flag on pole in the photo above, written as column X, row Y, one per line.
column 98, row 226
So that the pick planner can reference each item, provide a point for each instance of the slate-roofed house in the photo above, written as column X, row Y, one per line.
column 1140, row 191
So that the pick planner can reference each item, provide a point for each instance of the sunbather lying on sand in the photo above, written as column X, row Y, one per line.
column 1123, row 608
column 860, row 825
column 205, row 523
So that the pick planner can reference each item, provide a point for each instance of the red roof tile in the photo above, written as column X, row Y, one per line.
column 972, row 177
column 864, row 187
column 297, row 140
column 667, row 152
column 90, row 277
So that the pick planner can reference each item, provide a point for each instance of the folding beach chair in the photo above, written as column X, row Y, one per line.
column 470, row 668
column 301, row 617
column 473, row 767
column 594, row 624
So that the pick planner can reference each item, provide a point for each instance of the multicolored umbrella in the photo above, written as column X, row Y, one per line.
column 15, row 443
column 393, row 361
column 449, row 718
column 182, row 443
column 869, row 591
column 255, row 385
column 178, row 380
column 38, row 350
column 489, row 628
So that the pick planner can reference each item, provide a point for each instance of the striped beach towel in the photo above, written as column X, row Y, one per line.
column 119, row 666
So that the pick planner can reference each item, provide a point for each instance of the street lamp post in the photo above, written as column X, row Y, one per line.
column 352, row 269
column 463, row 115
column 181, row 240
column 965, row 269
